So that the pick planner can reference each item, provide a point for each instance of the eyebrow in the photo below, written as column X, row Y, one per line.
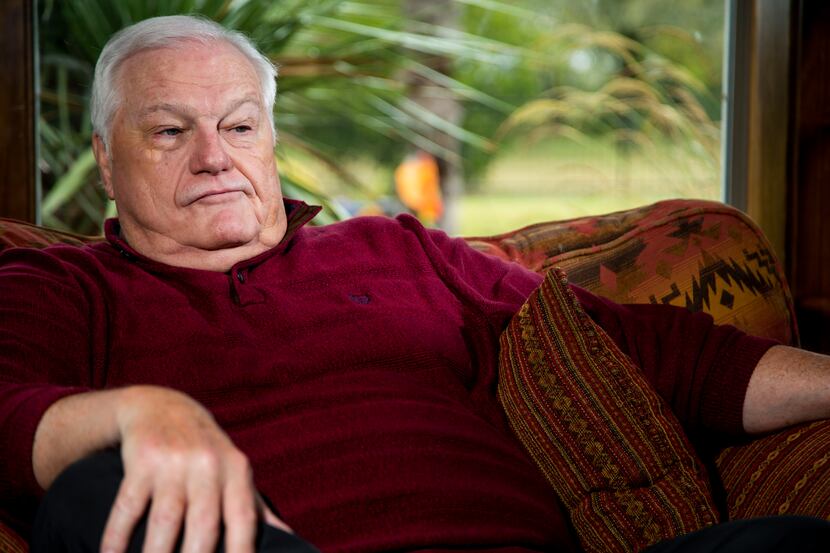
column 187, row 111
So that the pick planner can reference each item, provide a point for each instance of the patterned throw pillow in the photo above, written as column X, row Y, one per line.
column 786, row 473
column 607, row 443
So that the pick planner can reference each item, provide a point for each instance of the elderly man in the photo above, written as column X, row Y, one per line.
column 218, row 347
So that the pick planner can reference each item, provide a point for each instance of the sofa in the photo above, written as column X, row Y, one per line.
column 701, row 255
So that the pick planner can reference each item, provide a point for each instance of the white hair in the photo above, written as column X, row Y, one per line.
column 160, row 32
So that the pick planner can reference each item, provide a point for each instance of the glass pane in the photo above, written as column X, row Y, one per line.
column 515, row 112
column 628, row 112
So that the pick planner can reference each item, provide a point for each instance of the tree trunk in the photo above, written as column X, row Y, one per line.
column 441, row 101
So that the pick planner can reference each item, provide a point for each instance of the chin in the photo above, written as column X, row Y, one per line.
column 233, row 232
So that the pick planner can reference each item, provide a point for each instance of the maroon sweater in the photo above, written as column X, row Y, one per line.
column 355, row 364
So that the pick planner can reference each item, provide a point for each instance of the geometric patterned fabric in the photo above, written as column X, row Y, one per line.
column 697, row 254
column 605, row 440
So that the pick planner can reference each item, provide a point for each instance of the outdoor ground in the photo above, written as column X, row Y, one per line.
column 559, row 180
column 565, row 180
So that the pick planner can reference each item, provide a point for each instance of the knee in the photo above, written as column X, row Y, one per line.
column 85, row 483
column 795, row 533
column 760, row 535
column 79, row 500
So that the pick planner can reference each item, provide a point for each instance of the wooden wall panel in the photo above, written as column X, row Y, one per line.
column 768, row 114
column 18, row 197
column 809, row 191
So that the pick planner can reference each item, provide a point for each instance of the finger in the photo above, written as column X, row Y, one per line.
column 270, row 518
column 128, row 507
column 239, row 506
column 202, row 522
column 164, row 523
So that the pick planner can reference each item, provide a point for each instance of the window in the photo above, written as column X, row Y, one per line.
column 627, row 111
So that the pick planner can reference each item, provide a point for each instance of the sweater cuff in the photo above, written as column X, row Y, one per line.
column 23, row 407
column 723, row 405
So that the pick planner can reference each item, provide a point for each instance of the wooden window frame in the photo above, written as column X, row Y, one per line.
column 19, row 188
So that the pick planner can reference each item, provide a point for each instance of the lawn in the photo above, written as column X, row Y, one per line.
column 560, row 180
column 551, row 181
column 485, row 214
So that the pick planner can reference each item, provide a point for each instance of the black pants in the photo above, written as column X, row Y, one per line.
column 756, row 535
column 73, row 514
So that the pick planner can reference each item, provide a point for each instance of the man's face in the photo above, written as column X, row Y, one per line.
column 191, row 164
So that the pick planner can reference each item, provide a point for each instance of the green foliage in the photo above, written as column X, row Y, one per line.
column 340, row 92
column 637, row 72
column 640, row 72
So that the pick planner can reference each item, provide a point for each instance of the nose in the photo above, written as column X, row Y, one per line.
column 209, row 154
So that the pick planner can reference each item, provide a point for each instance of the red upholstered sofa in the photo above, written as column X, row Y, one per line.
column 697, row 254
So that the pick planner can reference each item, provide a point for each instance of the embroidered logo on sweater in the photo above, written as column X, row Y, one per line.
column 361, row 299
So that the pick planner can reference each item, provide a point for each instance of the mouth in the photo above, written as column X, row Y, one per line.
column 215, row 196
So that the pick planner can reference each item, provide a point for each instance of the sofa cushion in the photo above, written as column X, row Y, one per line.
column 786, row 473
column 607, row 443
column 702, row 255
column 15, row 233
column 10, row 542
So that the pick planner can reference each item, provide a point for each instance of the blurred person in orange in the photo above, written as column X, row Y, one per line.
column 418, row 185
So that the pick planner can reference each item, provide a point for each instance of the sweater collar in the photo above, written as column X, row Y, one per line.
column 297, row 214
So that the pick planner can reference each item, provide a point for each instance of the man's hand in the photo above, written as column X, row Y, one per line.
column 176, row 460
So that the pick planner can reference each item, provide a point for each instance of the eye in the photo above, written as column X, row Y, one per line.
column 241, row 129
column 172, row 131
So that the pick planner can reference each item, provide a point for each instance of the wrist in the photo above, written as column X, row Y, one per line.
column 70, row 429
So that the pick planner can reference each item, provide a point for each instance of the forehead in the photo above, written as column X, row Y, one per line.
column 190, row 71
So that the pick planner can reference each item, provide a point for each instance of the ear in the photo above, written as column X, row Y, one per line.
column 102, row 158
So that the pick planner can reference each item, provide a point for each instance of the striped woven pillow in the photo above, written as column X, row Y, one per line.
column 607, row 443
column 786, row 473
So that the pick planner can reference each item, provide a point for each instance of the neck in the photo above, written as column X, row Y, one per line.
column 163, row 249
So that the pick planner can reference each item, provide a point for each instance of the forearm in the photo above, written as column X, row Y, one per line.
column 176, row 459
column 72, row 428
column 788, row 386
column 77, row 425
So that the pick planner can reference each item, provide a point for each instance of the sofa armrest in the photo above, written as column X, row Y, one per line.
column 702, row 255
column 14, row 233
column 10, row 542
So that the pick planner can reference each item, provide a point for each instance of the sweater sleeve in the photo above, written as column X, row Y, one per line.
column 44, row 356
column 701, row 369
column 495, row 288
